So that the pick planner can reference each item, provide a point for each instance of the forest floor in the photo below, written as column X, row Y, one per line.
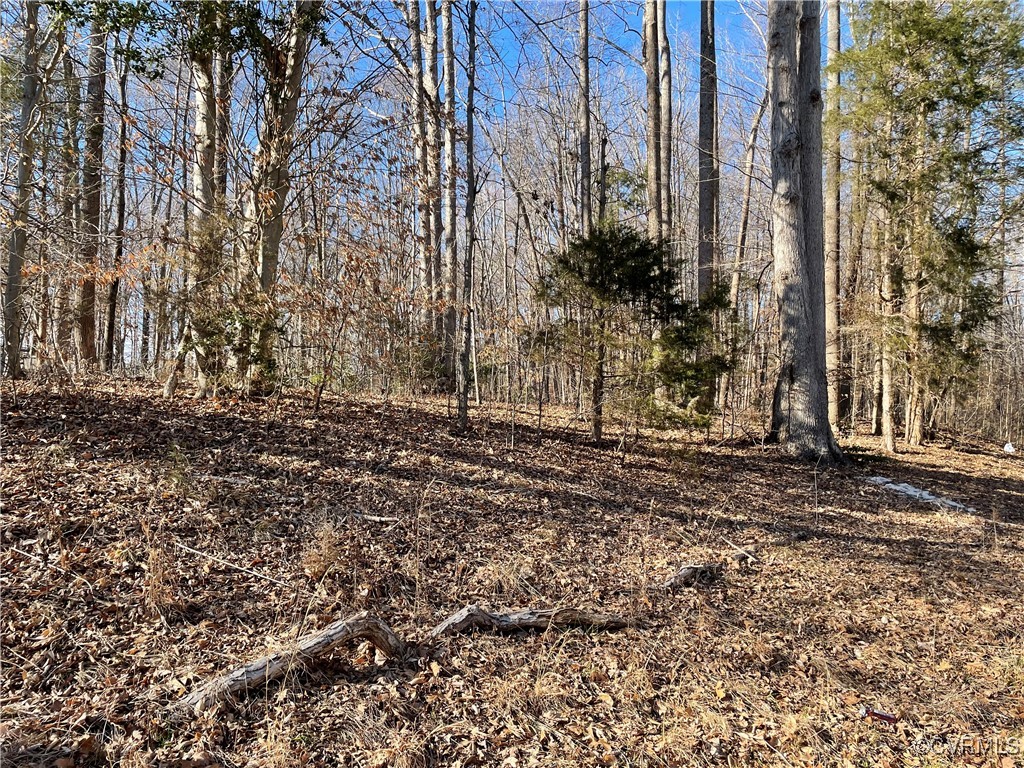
column 150, row 545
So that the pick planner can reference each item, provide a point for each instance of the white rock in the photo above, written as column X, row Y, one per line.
column 1008, row 448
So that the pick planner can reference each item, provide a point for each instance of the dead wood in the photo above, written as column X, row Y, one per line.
column 474, row 617
column 308, row 648
column 365, row 626
column 692, row 575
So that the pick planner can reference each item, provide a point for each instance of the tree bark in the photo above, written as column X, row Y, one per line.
column 650, row 57
column 201, row 301
column 707, row 163
column 833, row 339
column 800, row 406
column 433, row 115
column 665, row 120
column 584, row 118
column 451, row 261
column 30, row 91
column 122, row 162
column 283, row 64
column 92, row 192
column 741, row 247
column 462, row 424
column 423, row 219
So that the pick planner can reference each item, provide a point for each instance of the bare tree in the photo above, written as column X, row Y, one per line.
column 707, row 162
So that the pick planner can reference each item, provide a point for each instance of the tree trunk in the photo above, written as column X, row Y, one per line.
column 283, row 65
column 741, row 248
column 201, row 301
column 584, row 118
column 832, row 225
column 650, row 56
column 451, row 261
column 666, row 119
column 433, row 115
column 423, row 219
column 122, row 161
column 707, row 164
column 800, row 405
column 30, row 89
column 467, row 269
column 92, row 192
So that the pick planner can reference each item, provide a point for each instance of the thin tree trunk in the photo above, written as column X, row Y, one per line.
column 122, row 161
column 284, row 65
column 201, row 300
column 741, row 248
column 707, row 164
column 650, row 56
column 832, row 220
column 584, row 118
column 30, row 90
column 467, row 285
column 423, row 220
column 433, row 116
column 451, row 261
column 92, row 192
column 666, row 120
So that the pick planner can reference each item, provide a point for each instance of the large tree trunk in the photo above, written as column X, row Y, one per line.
column 584, row 118
column 451, row 261
column 800, row 406
column 650, row 56
column 92, row 192
column 707, row 164
column 30, row 88
column 467, row 269
column 832, row 226
column 122, row 162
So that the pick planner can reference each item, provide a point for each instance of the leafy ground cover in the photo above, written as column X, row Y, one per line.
column 149, row 545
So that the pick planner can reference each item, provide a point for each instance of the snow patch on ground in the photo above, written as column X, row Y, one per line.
column 906, row 489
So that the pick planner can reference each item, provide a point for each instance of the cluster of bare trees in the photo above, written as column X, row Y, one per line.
column 368, row 196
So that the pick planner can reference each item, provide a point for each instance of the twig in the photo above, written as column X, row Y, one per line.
column 215, row 559
column 376, row 518
column 739, row 549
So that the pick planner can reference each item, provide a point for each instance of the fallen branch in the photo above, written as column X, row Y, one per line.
column 276, row 665
column 692, row 575
column 364, row 626
column 474, row 617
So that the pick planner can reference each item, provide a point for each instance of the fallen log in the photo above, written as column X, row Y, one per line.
column 475, row 617
column 309, row 647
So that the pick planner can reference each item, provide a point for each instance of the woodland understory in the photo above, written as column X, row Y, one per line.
column 150, row 545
